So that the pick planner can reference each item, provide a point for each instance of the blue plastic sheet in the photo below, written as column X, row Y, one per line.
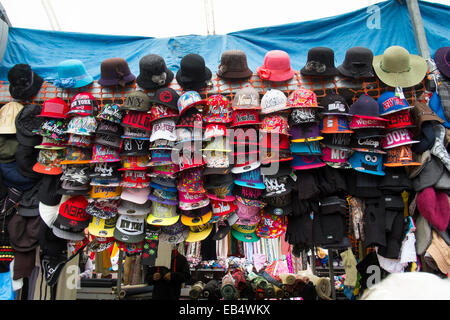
column 374, row 29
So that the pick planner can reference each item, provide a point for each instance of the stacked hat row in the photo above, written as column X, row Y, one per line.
column 396, row 68
column 170, row 159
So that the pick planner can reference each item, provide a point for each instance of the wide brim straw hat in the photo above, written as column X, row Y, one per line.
column 398, row 68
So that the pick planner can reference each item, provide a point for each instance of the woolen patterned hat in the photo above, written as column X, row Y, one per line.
column 153, row 72
column 24, row 83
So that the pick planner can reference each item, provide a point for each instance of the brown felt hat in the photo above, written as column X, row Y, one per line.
column 233, row 65
column 115, row 71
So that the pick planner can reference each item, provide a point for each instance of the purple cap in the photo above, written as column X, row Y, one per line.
column 307, row 131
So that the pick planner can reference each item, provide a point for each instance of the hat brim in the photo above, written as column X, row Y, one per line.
column 133, row 198
column 75, row 161
column 309, row 166
column 418, row 70
column 125, row 238
column 154, row 198
column 396, row 110
column 196, row 221
column 368, row 73
column 199, row 236
column 330, row 72
column 100, row 231
column 245, row 237
column 401, row 144
column 369, row 150
column 441, row 64
column 174, row 238
column 78, row 236
column 151, row 219
column 402, row 164
column 193, row 85
column 277, row 76
column 87, row 80
column 235, row 75
column 193, row 205
column 163, row 135
column 257, row 185
column 147, row 83
column 115, row 82
column 308, row 139
column 40, row 168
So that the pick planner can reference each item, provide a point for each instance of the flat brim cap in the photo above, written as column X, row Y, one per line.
column 200, row 233
column 67, row 234
column 213, row 181
column 245, row 237
column 130, row 229
column 222, row 232
column 174, row 238
column 134, row 209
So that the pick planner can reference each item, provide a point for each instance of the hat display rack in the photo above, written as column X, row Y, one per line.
column 181, row 202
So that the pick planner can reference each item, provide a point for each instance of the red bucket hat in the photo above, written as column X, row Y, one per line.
column 276, row 66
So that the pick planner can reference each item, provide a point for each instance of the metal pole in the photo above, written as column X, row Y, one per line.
column 419, row 31
column 119, row 273
column 331, row 273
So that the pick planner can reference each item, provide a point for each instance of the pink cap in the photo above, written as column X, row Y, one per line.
column 334, row 155
column 248, row 215
column 135, row 195
column 191, row 201
column 397, row 138
column 360, row 123
column 276, row 67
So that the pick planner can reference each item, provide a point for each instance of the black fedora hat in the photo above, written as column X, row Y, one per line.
column 24, row 83
column 153, row 72
column 320, row 63
column 357, row 63
column 193, row 73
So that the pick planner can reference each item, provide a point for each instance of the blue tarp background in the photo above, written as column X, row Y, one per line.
column 44, row 50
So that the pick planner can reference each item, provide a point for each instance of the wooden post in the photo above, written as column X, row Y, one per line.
column 419, row 31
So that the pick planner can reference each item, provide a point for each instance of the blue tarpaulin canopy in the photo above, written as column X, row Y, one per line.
column 377, row 30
